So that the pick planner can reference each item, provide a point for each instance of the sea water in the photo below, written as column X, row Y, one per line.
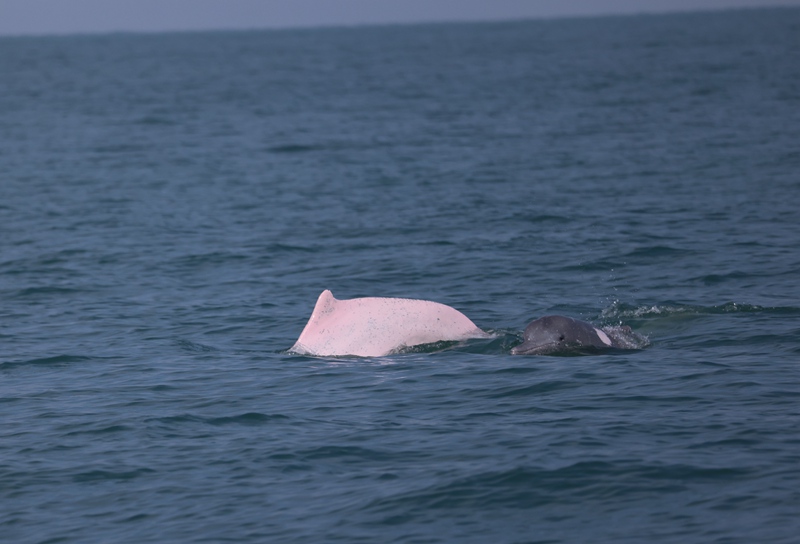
column 171, row 206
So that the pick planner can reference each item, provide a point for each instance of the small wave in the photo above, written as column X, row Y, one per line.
column 601, row 265
column 619, row 312
column 525, row 487
column 56, row 360
column 120, row 148
column 536, row 389
column 496, row 342
column 292, row 148
column 247, row 418
column 196, row 260
column 542, row 218
column 104, row 475
column 279, row 247
column 659, row 252
column 152, row 120
column 349, row 452
column 195, row 346
column 110, row 429
column 714, row 279
column 45, row 290
column 433, row 347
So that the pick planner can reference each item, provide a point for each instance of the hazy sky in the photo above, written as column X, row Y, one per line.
column 80, row 16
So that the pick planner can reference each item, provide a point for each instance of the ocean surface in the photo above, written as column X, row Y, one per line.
column 172, row 205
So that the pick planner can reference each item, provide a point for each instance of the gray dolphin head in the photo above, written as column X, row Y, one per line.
column 554, row 333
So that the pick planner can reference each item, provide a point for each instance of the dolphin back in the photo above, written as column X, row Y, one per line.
column 376, row 326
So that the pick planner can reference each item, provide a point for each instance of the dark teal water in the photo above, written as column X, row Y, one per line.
column 171, row 205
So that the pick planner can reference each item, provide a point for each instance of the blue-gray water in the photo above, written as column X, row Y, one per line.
column 171, row 206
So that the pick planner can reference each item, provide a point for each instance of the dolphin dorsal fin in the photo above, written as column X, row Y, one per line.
column 325, row 305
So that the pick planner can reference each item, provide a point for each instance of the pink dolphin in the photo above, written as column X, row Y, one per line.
column 371, row 327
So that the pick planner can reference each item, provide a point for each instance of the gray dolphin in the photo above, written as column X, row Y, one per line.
column 557, row 333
